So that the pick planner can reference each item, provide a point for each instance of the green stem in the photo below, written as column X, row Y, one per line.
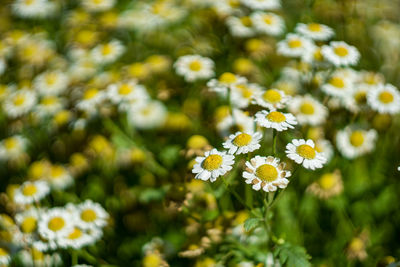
column 239, row 198
column 74, row 257
column 274, row 135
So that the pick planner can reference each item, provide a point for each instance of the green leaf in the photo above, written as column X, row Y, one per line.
column 251, row 223
column 292, row 255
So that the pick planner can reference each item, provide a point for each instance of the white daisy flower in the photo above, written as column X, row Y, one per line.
column 107, row 53
column 49, row 105
column 268, row 23
column 315, row 31
column 30, row 192
column 97, row 5
column 304, row 152
column 262, row 4
column 314, row 56
column 76, row 239
column 370, row 79
column 19, row 103
column 308, row 110
column 353, row 143
column 242, row 94
column 5, row 258
column 272, row 99
column 55, row 223
column 194, row 67
column 91, row 215
column 340, row 54
column 59, row 177
column 126, row 91
column 242, row 143
column 384, row 99
column 266, row 173
column 12, row 147
column 238, row 120
column 337, row 86
column 356, row 100
column 294, row 45
column 33, row 8
column 275, row 119
column 212, row 165
column 27, row 220
column 51, row 83
column 226, row 7
column 224, row 82
column 240, row 26
column 91, row 99
column 149, row 116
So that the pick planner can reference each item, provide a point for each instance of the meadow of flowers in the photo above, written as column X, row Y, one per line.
column 202, row 133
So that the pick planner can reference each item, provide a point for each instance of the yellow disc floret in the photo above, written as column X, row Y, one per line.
column 357, row 138
column 267, row 173
column 276, row 116
column 212, row 162
column 306, row 151
column 29, row 190
column 227, row 77
column 242, row 139
column 56, row 224
column 307, row 108
column 386, row 97
column 341, row 51
column 272, row 96
column 88, row 215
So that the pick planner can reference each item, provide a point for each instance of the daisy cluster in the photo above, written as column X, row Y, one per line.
column 98, row 96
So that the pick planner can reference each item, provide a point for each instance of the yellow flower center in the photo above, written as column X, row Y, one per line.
column 386, row 97
column 28, row 225
column 227, row 77
column 307, row 108
column 341, row 51
column 56, row 224
column 267, row 173
column 125, row 89
column 3, row 252
column 76, row 233
column 88, row 215
column 51, row 78
column 276, row 116
column 242, row 139
column 212, row 162
column 234, row 3
column 48, row 101
column 197, row 142
column 314, row 27
column 107, row 49
column 29, row 2
column 295, row 43
column 327, row 181
column 90, row 93
column 272, row 96
column 318, row 148
column 19, row 100
column 246, row 21
column 268, row 19
column 56, row 171
column 195, row 65
column 29, row 190
column 318, row 55
column 246, row 92
column 306, row 151
column 10, row 143
column 37, row 255
column 357, row 138
column 356, row 244
column 337, row 82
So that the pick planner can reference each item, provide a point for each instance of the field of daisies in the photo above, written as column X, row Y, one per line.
column 205, row 133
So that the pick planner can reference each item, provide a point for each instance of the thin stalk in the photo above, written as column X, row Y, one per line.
column 274, row 137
